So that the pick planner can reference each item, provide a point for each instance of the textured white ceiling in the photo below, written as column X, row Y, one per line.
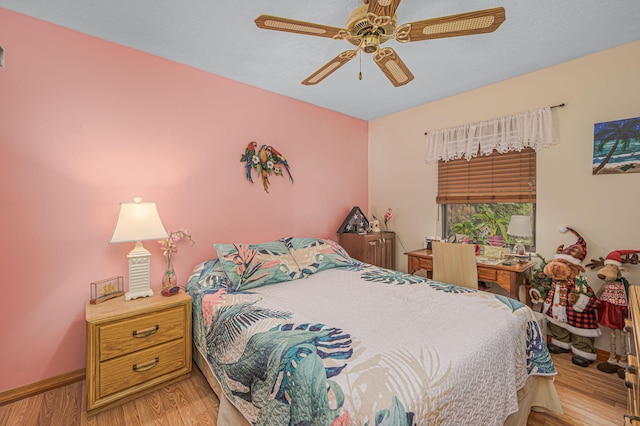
column 220, row 36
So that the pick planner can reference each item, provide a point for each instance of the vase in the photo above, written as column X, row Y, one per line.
column 496, row 241
column 169, row 279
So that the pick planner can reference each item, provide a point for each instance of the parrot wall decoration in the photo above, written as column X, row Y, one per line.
column 247, row 157
column 265, row 161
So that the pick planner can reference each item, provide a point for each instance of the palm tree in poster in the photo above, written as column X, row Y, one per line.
column 616, row 131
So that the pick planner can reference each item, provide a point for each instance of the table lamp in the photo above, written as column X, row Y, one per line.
column 520, row 228
column 138, row 221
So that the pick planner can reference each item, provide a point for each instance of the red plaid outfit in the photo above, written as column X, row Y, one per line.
column 613, row 304
column 583, row 323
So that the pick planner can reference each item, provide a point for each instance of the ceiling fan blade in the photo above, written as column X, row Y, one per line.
column 299, row 27
column 383, row 7
column 330, row 67
column 478, row 22
column 392, row 66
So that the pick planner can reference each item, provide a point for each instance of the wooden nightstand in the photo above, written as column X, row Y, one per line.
column 136, row 346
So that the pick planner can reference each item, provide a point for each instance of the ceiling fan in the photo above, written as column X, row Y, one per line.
column 374, row 23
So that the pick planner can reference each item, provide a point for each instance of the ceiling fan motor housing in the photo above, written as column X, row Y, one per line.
column 361, row 30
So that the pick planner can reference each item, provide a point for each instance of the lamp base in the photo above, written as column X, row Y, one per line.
column 139, row 273
column 519, row 248
column 130, row 295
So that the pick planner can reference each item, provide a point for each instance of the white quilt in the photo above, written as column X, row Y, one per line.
column 390, row 347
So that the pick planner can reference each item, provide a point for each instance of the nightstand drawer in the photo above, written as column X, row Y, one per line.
column 126, row 336
column 140, row 367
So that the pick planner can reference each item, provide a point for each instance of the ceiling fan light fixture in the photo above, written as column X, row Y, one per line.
column 370, row 43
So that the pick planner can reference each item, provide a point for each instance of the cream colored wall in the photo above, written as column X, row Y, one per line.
column 604, row 209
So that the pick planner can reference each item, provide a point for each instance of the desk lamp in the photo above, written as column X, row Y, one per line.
column 137, row 222
column 520, row 228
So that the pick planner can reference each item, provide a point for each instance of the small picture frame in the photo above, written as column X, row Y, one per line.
column 106, row 289
column 491, row 252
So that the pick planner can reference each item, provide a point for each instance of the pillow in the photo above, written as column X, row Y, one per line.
column 314, row 254
column 254, row 265
column 208, row 275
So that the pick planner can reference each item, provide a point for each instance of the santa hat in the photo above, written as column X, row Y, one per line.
column 615, row 257
column 575, row 253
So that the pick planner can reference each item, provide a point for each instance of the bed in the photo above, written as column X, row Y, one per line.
column 294, row 331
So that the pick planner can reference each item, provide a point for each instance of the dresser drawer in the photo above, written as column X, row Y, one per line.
column 139, row 367
column 140, row 332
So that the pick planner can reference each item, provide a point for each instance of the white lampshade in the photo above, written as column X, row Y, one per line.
column 520, row 226
column 137, row 222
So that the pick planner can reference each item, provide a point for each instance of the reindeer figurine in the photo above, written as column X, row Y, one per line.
column 614, row 309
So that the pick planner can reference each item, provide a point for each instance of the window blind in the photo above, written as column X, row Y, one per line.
column 497, row 178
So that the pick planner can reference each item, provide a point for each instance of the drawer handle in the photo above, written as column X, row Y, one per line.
column 146, row 366
column 628, row 384
column 146, row 333
column 632, row 369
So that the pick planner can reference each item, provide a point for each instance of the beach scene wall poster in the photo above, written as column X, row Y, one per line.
column 616, row 147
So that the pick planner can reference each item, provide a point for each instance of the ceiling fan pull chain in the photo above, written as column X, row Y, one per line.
column 360, row 73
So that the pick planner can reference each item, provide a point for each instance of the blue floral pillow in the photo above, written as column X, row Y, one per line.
column 254, row 265
column 314, row 254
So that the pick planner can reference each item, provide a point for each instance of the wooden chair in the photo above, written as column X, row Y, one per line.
column 455, row 264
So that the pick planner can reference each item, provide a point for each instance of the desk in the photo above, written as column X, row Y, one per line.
column 507, row 277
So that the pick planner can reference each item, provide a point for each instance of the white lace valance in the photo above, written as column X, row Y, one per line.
column 531, row 129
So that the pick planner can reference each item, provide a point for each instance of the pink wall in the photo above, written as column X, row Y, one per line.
column 86, row 124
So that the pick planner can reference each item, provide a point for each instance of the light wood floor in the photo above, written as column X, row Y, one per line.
column 189, row 402
column 589, row 397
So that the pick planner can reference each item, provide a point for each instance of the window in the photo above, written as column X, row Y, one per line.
column 479, row 196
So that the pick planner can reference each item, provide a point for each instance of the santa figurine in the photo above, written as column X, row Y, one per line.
column 614, row 309
column 570, row 304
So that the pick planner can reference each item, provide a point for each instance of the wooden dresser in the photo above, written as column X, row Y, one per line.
column 632, row 378
column 135, row 346
column 376, row 248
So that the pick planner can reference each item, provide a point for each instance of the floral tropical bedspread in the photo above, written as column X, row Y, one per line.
column 366, row 346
